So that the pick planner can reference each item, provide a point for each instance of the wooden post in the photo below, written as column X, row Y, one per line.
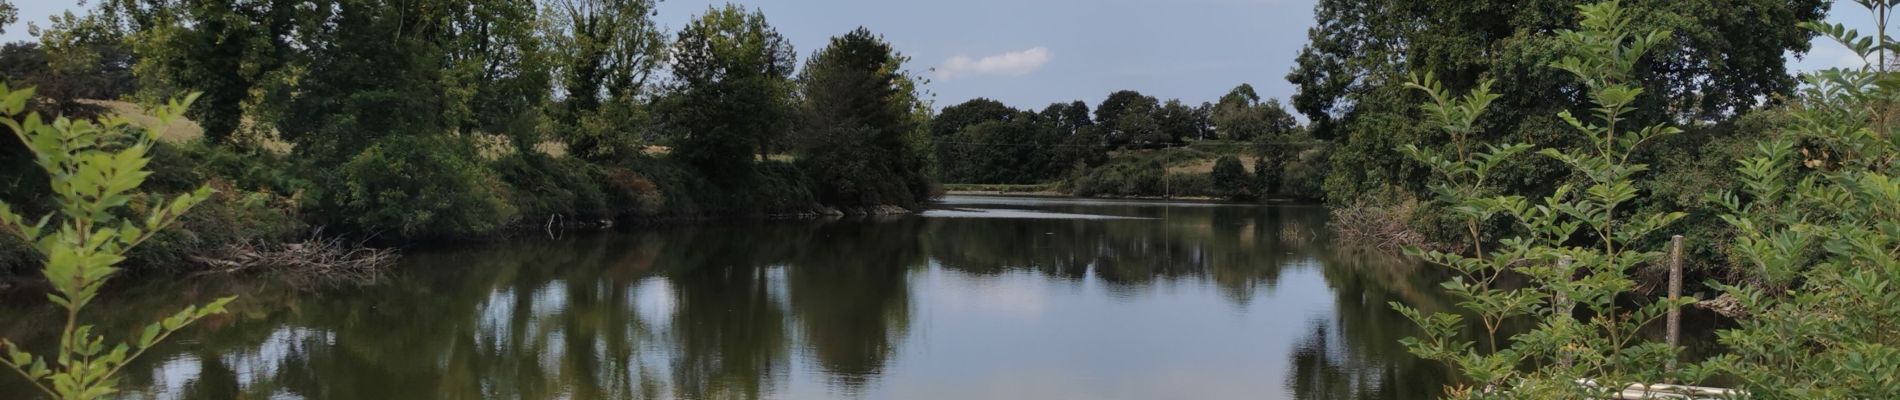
column 1564, row 306
column 1674, row 324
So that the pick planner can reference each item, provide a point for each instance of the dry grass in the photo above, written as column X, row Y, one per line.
column 1207, row 166
column 179, row 131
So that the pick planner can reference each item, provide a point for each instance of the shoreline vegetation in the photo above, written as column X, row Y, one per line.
column 383, row 124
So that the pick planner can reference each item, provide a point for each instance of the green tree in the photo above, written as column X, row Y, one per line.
column 1230, row 179
column 861, row 122
column 85, row 59
column 1576, row 248
column 1131, row 105
column 8, row 15
column 231, row 51
column 606, row 52
column 974, row 111
column 1128, row 117
column 1177, row 122
column 1266, row 175
column 94, row 173
column 1817, row 240
column 733, row 98
column 497, row 72
column 1725, row 58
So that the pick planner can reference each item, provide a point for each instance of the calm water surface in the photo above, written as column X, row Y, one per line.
column 982, row 298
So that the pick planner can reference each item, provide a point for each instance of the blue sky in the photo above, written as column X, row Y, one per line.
column 1029, row 53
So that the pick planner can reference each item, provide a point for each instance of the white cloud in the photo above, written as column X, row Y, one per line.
column 1015, row 63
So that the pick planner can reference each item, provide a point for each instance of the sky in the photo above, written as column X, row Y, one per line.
column 1030, row 53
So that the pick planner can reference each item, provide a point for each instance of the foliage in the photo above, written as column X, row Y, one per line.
column 540, row 186
column 1817, row 237
column 419, row 186
column 606, row 52
column 1230, row 179
column 1726, row 57
column 93, row 168
column 733, row 98
column 1241, row 115
column 1130, row 118
column 861, row 125
column 983, row 141
column 229, row 51
column 1574, row 248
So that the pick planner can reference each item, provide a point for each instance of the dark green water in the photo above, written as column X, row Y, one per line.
column 994, row 298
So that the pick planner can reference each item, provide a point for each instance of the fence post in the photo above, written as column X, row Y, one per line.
column 1674, row 325
column 1565, row 306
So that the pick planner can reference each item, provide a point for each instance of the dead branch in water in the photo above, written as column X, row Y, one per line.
column 313, row 261
column 1386, row 228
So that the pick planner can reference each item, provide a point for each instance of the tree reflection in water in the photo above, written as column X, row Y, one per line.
column 765, row 309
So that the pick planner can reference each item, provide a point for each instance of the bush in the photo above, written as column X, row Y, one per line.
column 541, row 185
column 639, row 194
column 418, row 187
column 1230, row 179
column 231, row 216
column 1305, row 177
column 680, row 190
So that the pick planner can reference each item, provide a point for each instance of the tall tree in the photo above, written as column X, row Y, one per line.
column 1177, row 121
column 606, row 52
column 1128, row 116
column 1111, row 109
column 498, row 72
column 732, row 99
column 861, row 124
column 1725, row 58
column 225, row 49
column 1241, row 115
column 974, row 111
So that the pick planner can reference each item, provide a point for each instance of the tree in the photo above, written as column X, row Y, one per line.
column 1816, row 238
column 1127, row 116
column 1230, row 179
column 230, row 51
column 605, row 51
column 8, row 15
column 1177, row 122
column 498, row 69
column 974, row 111
column 1204, row 121
column 1575, row 249
column 1724, row 59
column 732, row 98
column 1266, row 173
column 85, row 58
column 861, row 122
column 94, row 169
column 1241, row 116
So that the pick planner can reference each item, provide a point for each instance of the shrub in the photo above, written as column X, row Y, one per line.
column 640, row 194
column 540, row 185
column 419, row 187
column 1305, row 177
column 231, row 216
column 94, row 173
column 1230, row 179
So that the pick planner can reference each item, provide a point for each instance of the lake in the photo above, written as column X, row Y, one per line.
column 982, row 297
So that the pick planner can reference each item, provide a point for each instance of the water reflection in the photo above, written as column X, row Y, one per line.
column 1182, row 301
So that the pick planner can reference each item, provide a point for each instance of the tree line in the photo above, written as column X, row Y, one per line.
column 983, row 141
column 447, row 118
